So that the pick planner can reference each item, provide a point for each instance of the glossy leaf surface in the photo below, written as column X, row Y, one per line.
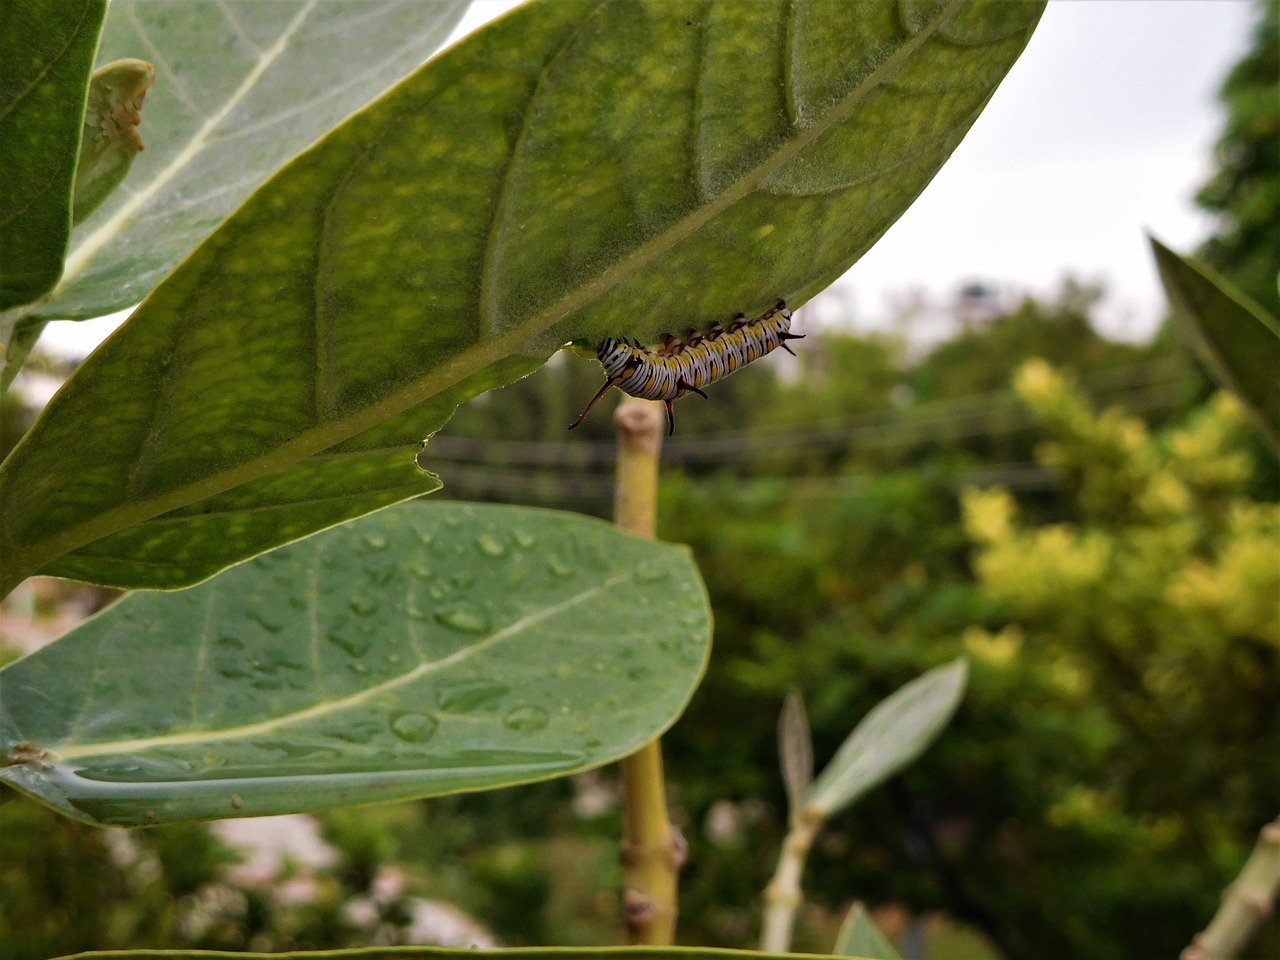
column 892, row 735
column 46, row 53
column 426, row 649
column 576, row 169
column 1234, row 337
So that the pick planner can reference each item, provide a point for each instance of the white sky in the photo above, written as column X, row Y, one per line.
column 1103, row 129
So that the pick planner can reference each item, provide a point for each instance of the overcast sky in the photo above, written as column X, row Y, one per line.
column 1103, row 129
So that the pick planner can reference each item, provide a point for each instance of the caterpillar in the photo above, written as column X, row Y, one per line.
column 686, row 366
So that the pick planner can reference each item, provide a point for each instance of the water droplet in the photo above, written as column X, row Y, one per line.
column 468, row 696
column 425, row 538
column 693, row 619
column 526, row 719
column 489, row 545
column 363, row 605
column 650, row 573
column 638, row 673
column 413, row 727
column 557, row 565
column 436, row 592
column 463, row 581
column 232, row 672
column 466, row 619
column 523, row 539
column 416, row 613
column 227, row 640
column 267, row 622
column 356, row 667
column 375, row 541
column 419, row 571
column 355, row 647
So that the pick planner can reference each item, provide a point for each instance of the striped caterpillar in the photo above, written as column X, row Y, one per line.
column 685, row 366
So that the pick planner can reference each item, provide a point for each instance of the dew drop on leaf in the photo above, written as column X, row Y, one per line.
column 375, row 541
column 526, row 719
column 490, row 546
column 414, row 727
column 468, row 696
column 363, row 605
column 466, row 619
column 650, row 573
column 355, row 647
column 523, row 539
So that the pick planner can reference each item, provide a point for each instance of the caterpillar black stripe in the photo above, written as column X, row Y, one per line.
column 686, row 366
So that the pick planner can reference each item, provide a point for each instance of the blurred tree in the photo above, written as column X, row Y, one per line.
column 1244, row 189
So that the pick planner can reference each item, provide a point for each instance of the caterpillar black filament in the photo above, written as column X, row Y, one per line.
column 686, row 366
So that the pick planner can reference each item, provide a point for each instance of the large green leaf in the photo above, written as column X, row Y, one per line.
column 893, row 734
column 1235, row 338
column 574, row 170
column 242, row 86
column 46, row 53
column 427, row 649
column 440, row 953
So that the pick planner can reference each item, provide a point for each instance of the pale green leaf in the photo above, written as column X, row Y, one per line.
column 860, row 937
column 893, row 734
column 795, row 755
column 1234, row 337
column 46, row 53
column 426, row 649
column 572, row 171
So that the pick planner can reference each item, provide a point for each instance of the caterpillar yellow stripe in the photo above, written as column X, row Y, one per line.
column 686, row 366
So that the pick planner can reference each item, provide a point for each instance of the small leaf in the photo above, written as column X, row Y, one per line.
column 574, row 170
column 893, row 734
column 46, row 50
column 860, row 937
column 111, row 139
column 426, row 649
column 795, row 754
column 1234, row 337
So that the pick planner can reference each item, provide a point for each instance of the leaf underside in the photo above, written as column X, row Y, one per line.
column 427, row 649
column 241, row 87
column 575, row 170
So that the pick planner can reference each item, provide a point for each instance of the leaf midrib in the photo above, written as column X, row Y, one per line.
column 326, row 708
column 470, row 361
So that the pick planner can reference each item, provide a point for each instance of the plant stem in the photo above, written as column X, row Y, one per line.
column 782, row 898
column 1245, row 904
column 652, row 852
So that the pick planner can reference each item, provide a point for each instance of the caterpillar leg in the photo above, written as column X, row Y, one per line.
column 686, row 385
column 784, row 337
column 671, row 418
column 608, row 385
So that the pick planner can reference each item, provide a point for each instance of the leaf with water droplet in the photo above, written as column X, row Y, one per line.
column 297, row 684
column 526, row 719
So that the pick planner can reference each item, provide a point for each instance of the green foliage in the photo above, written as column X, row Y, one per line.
column 1147, row 621
column 66, row 887
column 321, row 331
column 1233, row 337
column 1244, row 189
column 424, row 650
column 47, row 52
